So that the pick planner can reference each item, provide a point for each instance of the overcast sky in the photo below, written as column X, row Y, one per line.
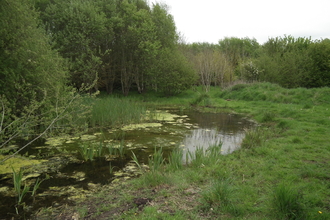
column 212, row 20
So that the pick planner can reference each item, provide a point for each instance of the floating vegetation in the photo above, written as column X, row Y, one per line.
column 16, row 163
column 140, row 126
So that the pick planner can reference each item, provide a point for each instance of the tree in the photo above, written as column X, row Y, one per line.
column 34, row 96
column 29, row 69
column 285, row 61
column 319, row 72
column 238, row 49
column 174, row 74
column 80, row 33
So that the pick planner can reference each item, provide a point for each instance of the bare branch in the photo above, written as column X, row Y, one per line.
column 58, row 117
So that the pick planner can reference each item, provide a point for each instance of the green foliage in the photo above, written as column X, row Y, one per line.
column 288, row 202
column 238, row 49
column 87, row 151
column 286, row 61
column 319, row 74
column 174, row 74
column 17, row 178
column 35, row 98
column 112, row 111
column 156, row 161
column 29, row 70
column 117, row 43
column 201, row 97
column 175, row 161
column 219, row 196
column 253, row 138
column 79, row 30
column 136, row 161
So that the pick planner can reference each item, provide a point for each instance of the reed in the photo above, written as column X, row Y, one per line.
column 87, row 151
column 113, row 111
column 196, row 158
column 36, row 187
column 111, row 149
column 156, row 161
column 121, row 149
column 17, row 179
column 111, row 168
column 99, row 150
column 136, row 161
column 175, row 159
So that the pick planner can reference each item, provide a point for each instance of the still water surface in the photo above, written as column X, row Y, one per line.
column 188, row 130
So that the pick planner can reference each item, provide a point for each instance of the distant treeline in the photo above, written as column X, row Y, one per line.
column 287, row 61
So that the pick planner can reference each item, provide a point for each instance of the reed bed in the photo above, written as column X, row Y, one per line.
column 112, row 111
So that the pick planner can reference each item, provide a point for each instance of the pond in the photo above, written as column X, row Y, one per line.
column 71, row 175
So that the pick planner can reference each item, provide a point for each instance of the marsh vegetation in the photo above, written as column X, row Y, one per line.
column 280, row 171
column 82, row 80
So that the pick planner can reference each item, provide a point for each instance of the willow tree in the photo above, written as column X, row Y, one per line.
column 213, row 68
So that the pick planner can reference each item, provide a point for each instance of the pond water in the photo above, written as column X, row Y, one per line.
column 71, row 177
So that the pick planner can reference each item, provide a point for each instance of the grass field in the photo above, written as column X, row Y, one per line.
column 282, row 170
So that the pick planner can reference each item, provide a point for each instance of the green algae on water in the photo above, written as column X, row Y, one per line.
column 16, row 163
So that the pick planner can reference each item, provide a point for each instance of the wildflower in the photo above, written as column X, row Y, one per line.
column 320, row 212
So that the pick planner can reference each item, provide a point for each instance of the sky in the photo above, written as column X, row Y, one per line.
column 213, row 20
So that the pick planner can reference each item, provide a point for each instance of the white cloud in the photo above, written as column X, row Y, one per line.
column 211, row 20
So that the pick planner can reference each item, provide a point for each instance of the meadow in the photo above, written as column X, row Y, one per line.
column 282, row 170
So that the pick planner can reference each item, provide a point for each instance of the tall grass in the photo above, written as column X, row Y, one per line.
column 253, row 138
column 157, row 160
column 113, row 111
column 275, row 93
column 287, row 202
column 175, row 161
column 219, row 197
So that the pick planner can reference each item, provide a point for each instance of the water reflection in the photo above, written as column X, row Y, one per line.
column 215, row 129
column 203, row 138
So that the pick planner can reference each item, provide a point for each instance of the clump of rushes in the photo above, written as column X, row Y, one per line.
column 287, row 202
column 156, row 161
column 219, row 197
column 175, row 159
column 253, row 138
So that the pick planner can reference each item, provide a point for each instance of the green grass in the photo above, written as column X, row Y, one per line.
column 288, row 202
column 281, row 171
column 114, row 111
